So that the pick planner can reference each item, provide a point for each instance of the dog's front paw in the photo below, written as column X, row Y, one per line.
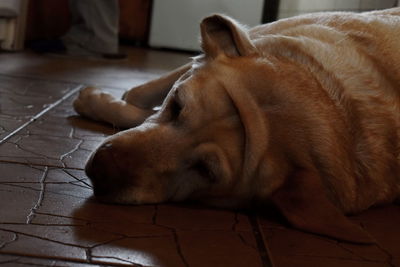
column 87, row 101
column 98, row 105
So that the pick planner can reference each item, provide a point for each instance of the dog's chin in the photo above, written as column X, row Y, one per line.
column 130, row 197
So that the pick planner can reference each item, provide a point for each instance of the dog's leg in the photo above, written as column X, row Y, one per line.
column 136, row 105
column 98, row 105
column 152, row 93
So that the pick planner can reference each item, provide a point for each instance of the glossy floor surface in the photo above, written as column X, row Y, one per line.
column 49, row 218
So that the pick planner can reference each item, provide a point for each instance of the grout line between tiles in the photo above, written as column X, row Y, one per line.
column 262, row 248
column 41, row 113
column 63, row 260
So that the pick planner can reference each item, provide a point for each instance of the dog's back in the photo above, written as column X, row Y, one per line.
column 355, row 58
column 376, row 34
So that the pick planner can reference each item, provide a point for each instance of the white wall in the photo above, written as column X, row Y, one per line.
column 289, row 8
column 175, row 23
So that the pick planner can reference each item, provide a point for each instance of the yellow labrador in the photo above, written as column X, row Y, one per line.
column 303, row 113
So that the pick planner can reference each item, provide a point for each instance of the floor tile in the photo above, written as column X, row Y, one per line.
column 49, row 212
column 383, row 224
column 156, row 251
column 21, row 99
column 59, row 138
column 290, row 247
column 28, row 245
column 198, row 219
column 23, row 261
column 306, row 261
column 219, row 248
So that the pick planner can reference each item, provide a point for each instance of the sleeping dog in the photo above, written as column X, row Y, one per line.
column 303, row 113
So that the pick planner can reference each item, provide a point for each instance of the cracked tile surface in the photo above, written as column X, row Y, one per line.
column 7, row 260
column 21, row 99
column 57, row 218
column 72, row 139
column 289, row 247
column 48, row 216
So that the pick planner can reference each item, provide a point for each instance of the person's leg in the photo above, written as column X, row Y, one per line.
column 94, row 27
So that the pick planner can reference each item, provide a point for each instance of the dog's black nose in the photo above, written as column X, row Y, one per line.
column 99, row 169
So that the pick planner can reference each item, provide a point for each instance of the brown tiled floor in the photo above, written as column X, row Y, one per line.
column 49, row 218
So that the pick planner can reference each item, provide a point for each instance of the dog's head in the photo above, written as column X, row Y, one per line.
column 210, row 141
column 198, row 145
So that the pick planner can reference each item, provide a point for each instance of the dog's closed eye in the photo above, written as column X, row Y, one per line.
column 171, row 112
column 175, row 109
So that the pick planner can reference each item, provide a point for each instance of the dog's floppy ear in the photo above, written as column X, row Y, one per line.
column 303, row 202
column 221, row 34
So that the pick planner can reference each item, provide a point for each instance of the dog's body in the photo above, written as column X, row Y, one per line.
column 304, row 112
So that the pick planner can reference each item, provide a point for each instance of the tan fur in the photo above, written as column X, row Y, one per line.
column 304, row 112
column 354, row 57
